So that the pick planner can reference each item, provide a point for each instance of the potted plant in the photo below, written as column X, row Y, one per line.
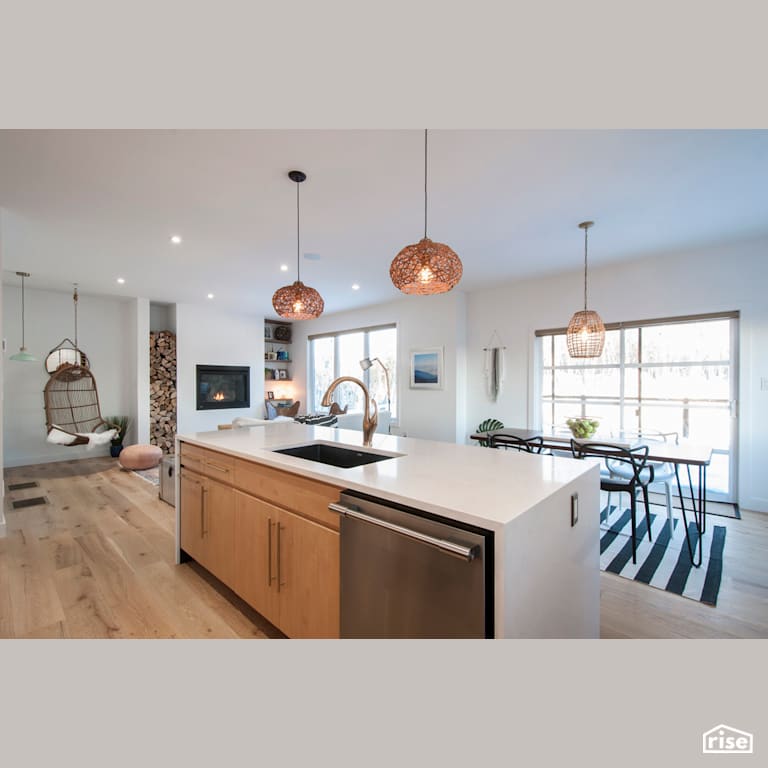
column 120, row 423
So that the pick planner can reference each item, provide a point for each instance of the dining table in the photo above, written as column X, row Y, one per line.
column 692, row 456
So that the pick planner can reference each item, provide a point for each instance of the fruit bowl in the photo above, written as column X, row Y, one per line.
column 583, row 428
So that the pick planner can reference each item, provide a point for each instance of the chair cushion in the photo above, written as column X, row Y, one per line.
column 140, row 456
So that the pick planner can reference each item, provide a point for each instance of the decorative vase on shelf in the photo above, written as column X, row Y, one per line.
column 114, row 449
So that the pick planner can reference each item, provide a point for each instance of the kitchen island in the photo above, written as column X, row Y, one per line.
column 260, row 522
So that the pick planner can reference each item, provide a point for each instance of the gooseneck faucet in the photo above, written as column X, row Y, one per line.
column 370, row 420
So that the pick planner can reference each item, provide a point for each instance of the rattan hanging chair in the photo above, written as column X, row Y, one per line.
column 72, row 412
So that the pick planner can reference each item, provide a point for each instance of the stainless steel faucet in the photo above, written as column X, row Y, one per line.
column 370, row 420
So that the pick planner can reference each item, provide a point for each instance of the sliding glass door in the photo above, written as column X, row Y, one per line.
column 673, row 376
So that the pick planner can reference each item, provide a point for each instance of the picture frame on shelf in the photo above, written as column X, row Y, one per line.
column 270, row 395
column 282, row 374
column 268, row 333
column 427, row 368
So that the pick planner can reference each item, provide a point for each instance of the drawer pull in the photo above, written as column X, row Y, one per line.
column 217, row 467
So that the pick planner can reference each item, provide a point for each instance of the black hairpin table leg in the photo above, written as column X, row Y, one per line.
column 698, row 514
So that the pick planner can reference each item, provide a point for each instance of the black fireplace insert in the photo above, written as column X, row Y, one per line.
column 223, row 386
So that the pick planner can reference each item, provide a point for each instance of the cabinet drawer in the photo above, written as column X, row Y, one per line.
column 309, row 498
column 219, row 466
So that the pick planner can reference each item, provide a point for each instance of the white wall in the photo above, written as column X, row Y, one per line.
column 162, row 317
column 422, row 321
column 137, row 321
column 206, row 335
column 49, row 319
column 728, row 277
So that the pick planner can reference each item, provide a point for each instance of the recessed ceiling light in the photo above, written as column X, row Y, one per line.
column 210, row 295
column 283, row 267
column 121, row 280
column 355, row 287
column 175, row 239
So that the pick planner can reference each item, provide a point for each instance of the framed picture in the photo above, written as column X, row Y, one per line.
column 426, row 368
column 283, row 374
column 268, row 332
column 270, row 395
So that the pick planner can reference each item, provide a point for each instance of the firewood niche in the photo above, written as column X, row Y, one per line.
column 162, row 389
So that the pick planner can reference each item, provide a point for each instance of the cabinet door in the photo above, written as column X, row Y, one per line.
column 191, row 514
column 308, row 578
column 255, row 577
column 219, row 530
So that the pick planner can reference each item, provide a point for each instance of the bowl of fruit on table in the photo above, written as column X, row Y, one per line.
column 583, row 428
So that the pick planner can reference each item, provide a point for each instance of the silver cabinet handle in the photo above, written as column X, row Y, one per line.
column 217, row 467
column 269, row 552
column 204, row 515
column 458, row 550
column 279, row 583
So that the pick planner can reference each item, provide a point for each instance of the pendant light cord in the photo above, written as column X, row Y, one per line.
column 23, row 343
column 74, row 298
column 586, row 230
column 425, row 183
column 298, row 235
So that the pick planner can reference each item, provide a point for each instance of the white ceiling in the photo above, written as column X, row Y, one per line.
column 88, row 206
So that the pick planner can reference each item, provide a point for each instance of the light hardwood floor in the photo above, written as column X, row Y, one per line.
column 97, row 561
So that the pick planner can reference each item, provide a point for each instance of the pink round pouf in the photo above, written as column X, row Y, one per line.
column 140, row 456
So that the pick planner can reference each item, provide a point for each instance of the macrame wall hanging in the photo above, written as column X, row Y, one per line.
column 494, row 366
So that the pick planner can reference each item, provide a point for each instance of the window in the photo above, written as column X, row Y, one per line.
column 671, row 375
column 339, row 354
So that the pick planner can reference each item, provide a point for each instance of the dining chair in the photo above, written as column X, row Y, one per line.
column 635, row 461
column 663, row 472
column 529, row 445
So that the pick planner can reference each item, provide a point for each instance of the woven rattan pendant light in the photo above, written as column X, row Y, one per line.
column 585, row 336
column 426, row 267
column 298, row 301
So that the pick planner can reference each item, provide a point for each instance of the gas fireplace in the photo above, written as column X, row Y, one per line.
column 223, row 386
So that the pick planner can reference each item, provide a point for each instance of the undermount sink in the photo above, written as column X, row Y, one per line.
column 335, row 455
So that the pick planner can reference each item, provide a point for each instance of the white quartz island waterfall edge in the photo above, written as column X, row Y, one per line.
column 546, row 571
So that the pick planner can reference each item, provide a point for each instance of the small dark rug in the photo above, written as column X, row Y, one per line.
column 663, row 563
column 150, row 475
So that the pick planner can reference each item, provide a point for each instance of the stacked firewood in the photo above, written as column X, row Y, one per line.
column 162, row 389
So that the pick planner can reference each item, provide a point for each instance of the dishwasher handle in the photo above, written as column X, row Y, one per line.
column 457, row 550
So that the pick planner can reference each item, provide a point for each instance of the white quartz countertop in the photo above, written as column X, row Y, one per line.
column 484, row 487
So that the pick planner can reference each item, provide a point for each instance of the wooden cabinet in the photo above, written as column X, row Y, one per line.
column 287, row 568
column 256, row 555
column 308, row 557
column 191, row 514
column 268, row 535
column 207, row 520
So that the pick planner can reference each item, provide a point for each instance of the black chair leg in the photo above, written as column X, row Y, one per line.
column 633, row 506
column 647, row 511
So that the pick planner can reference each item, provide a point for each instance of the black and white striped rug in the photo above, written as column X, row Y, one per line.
column 663, row 563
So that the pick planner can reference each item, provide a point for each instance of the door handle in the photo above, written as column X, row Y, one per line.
column 457, row 550
column 204, row 515
column 270, row 579
column 279, row 559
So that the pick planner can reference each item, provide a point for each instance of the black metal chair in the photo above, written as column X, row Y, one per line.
column 639, row 475
column 529, row 445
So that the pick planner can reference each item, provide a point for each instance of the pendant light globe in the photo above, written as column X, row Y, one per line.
column 298, row 301
column 426, row 267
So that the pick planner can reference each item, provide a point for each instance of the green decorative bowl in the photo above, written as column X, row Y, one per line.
column 583, row 428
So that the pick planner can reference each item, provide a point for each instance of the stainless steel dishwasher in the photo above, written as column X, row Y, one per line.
column 408, row 574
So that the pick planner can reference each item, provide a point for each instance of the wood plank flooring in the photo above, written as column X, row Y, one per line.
column 97, row 561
